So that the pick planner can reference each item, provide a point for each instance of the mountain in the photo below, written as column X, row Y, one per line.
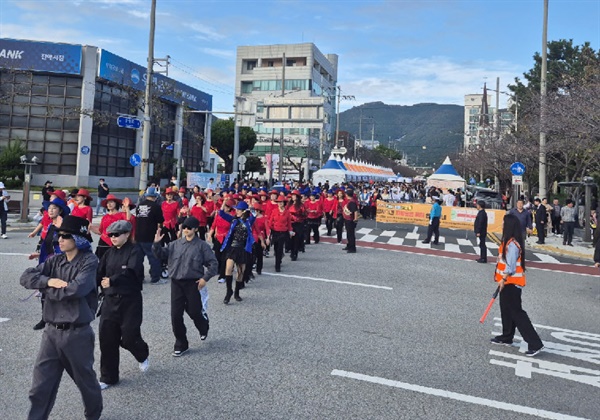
column 408, row 128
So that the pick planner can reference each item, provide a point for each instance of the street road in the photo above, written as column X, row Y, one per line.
column 381, row 334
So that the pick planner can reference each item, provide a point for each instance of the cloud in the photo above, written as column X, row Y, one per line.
column 204, row 32
column 218, row 52
column 139, row 14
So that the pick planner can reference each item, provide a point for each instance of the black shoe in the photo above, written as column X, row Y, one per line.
column 564, row 243
column 570, row 244
column 424, row 242
column 259, row 272
column 278, row 269
column 496, row 340
column 345, row 248
column 436, row 243
column 178, row 353
column 203, row 336
column 531, row 353
column 351, row 251
column 481, row 260
column 40, row 325
column 539, row 243
column 294, row 257
column 227, row 298
column 238, row 298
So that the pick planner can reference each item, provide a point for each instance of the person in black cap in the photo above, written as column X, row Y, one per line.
column 480, row 227
column 69, row 283
column 47, row 191
column 120, row 276
column 187, row 256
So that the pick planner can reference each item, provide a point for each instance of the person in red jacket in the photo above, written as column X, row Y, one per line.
column 217, row 233
column 112, row 214
column 82, row 207
column 280, row 225
column 329, row 206
column 338, row 214
column 170, row 209
column 200, row 212
column 298, row 215
column 314, row 213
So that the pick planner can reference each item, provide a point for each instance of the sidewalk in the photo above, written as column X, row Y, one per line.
column 554, row 245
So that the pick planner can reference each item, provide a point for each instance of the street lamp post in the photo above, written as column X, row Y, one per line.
column 26, row 186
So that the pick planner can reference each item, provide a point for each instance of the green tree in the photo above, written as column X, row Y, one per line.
column 254, row 164
column 222, row 141
column 11, row 170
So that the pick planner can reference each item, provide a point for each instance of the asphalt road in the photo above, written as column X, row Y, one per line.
column 381, row 334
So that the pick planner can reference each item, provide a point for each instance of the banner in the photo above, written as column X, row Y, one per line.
column 40, row 56
column 452, row 217
column 202, row 179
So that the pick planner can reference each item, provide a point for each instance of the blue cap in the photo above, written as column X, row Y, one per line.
column 242, row 205
column 152, row 192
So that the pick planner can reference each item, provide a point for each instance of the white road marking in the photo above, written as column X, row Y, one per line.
column 365, row 231
column 412, row 235
column 415, row 229
column 4, row 319
column 396, row 241
column 464, row 242
column 368, row 238
column 388, row 233
column 456, row 396
column 374, row 286
column 15, row 254
column 546, row 258
column 452, row 248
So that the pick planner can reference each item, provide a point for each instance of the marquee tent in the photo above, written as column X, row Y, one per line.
column 337, row 170
column 446, row 177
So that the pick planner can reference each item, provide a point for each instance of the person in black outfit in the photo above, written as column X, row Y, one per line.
column 350, row 215
column 149, row 219
column 120, row 276
column 481, row 224
column 103, row 191
column 47, row 191
column 540, row 220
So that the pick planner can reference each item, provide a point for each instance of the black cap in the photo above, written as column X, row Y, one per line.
column 76, row 226
column 191, row 222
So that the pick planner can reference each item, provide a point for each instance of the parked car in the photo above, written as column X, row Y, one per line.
column 492, row 199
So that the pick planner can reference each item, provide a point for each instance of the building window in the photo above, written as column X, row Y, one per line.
column 250, row 64
column 270, row 63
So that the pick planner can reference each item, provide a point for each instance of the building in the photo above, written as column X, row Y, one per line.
column 303, row 106
column 63, row 102
column 481, row 120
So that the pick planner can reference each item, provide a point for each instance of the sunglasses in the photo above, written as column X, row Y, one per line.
column 187, row 228
column 115, row 234
column 65, row 236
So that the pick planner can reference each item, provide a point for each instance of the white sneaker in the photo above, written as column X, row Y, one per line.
column 145, row 365
column 4, row 236
column 103, row 386
column 221, row 280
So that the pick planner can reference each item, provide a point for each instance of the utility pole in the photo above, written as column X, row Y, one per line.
column 359, row 133
column 281, row 134
column 373, row 135
column 497, row 112
column 542, row 170
column 147, row 109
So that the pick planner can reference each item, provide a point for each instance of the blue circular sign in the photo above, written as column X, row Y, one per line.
column 135, row 159
column 517, row 168
column 85, row 150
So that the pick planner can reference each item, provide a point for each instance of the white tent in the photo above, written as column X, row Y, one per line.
column 446, row 177
column 338, row 170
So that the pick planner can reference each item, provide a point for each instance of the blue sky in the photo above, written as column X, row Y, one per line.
column 398, row 52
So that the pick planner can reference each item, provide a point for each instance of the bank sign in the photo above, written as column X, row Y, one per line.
column 40, row 56
column 124, row 72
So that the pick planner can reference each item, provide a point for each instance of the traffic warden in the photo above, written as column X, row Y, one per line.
column 120, row 276
column 480, row 227
column 69, row 282
column 187, row 258
column 434, row 221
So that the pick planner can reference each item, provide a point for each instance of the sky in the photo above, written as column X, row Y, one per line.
column 399, row 52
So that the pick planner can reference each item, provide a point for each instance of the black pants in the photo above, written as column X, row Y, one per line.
column 329, row 221
column 513, row 317
column 279, row 239
column 556, row 224
column 350, row 234
column 69, row 350
column 202, row 232
column 255, row 258
column 312, row 225
column 220, row 258
column 569, row 228
column 186, row 297
column 541, row 231
column 120, row 324
column 297, row 239
column 3, row 217
column 102, row 248
column 482, row 246
column 339, row 228
column 433, row 229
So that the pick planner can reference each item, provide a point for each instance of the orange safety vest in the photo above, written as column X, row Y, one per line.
column 518, row 278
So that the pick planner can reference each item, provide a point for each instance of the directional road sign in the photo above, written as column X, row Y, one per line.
column 129, row 122
column 135, row 159
column 340, row 150
column 517, row 168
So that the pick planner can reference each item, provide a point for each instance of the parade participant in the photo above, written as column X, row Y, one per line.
column 280, row 224
column 112, row 205
column 149, row 219
column 434, row 221
column 510, row 276
column 261, row 239
column 103, row 191
column 200, row 212
column 540, row 220
column 480, row 227
column 211, row 207
column 55, row 211
column 373, row 203
column 69, row 283
column 47, row 191
column 187, row 257
column 567, row 220
column 71, row 202
column 82, row 207
column 4, row 199
column 329, row 207
column 237, row 247
column 120, row 276
column 314, row 213
column 182, row 198
column 217, row 234
column 350, row 214
column 170, row 210
column 298, row 215
column 338, row 214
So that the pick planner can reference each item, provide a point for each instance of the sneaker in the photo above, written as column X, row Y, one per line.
column 4, row 236
column 164, row 273
column 221, row 280
column 145, row 365
column 159, row 281
column 496, row 340
column 178, row 353
column 203, row 337
column 103, row 386
column 531, row 353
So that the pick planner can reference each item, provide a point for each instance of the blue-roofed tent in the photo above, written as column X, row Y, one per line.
column 446, row 177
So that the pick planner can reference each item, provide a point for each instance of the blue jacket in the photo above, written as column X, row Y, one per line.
column 436, row 211
column 234, row 222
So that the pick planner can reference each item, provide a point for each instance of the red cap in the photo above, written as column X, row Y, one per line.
column 60, row 194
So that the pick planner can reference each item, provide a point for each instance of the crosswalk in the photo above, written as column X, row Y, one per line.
column 446, row 243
